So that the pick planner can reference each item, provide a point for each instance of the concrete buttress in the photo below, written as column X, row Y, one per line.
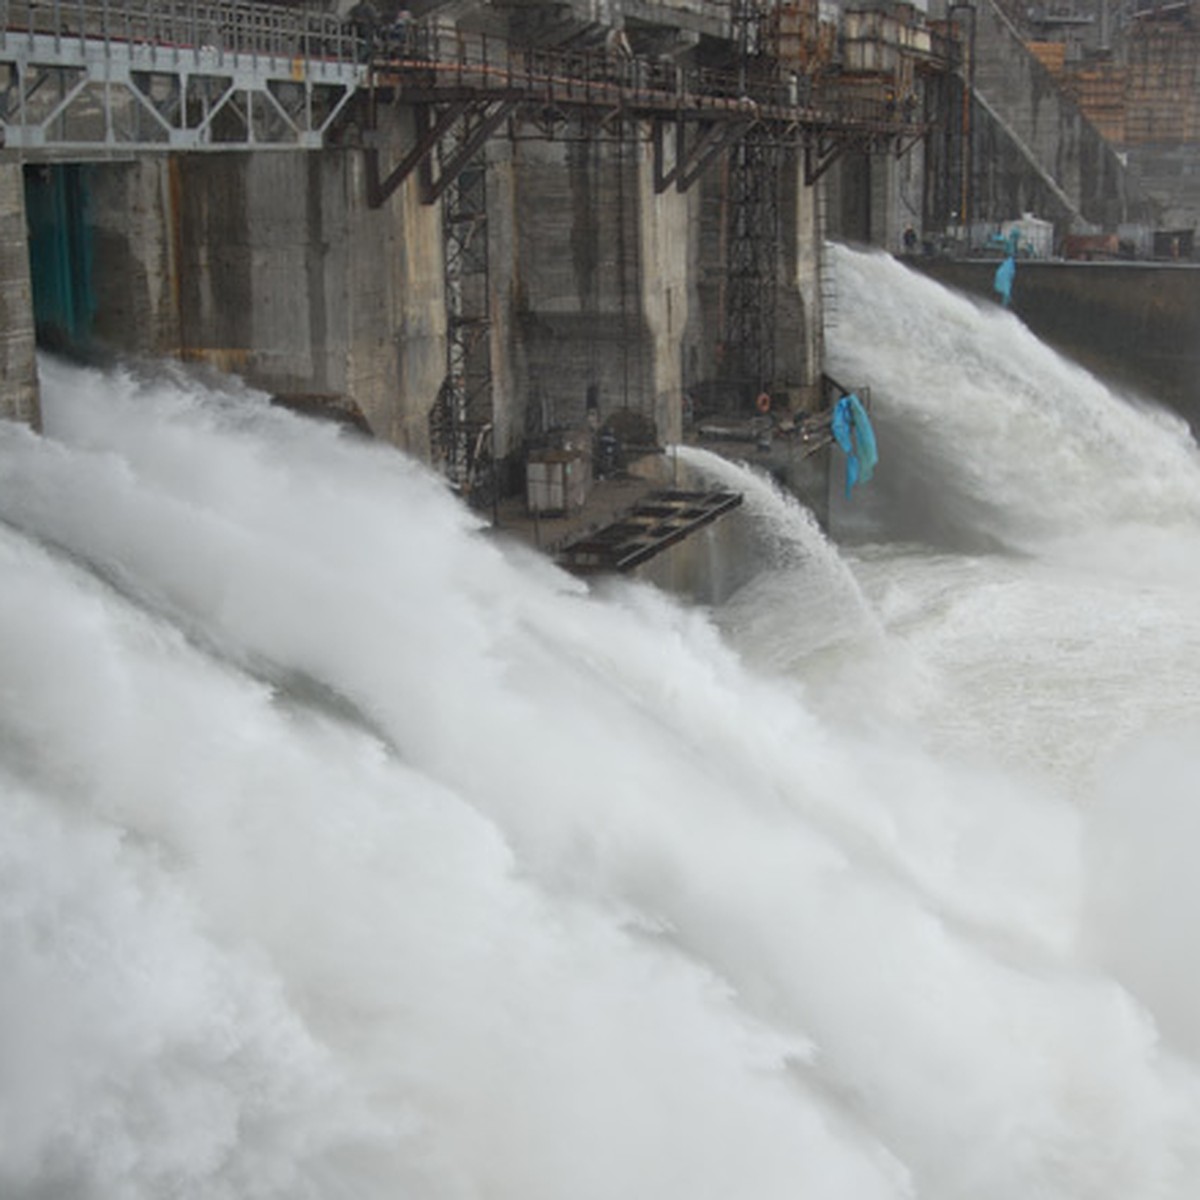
column 18, row 359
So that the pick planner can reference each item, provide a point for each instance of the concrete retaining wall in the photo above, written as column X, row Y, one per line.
column 1136, row 324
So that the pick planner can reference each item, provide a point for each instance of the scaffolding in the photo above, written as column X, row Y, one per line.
column 461, row 429
column 751, row 271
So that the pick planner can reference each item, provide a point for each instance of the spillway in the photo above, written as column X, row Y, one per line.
column 346, row 852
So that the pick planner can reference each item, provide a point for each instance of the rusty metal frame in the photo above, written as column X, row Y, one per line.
column 654, row 524
column 438, row 138
column 752, row 264
column 820, row 153
column 691, row 161
column 904, row 145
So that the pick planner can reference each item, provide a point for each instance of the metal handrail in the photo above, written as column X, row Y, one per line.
column 232, row 27
column 438, row 54
column 429, row 57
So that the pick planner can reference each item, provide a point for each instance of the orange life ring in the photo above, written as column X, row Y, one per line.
column 763, row 403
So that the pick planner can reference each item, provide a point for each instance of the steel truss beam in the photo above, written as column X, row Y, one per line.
column 86, row 78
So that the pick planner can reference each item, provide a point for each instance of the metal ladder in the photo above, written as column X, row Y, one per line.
column 826, row 272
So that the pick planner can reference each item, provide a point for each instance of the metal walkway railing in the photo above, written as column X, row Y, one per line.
column 693, row 113
column 435, row 60
column 84, row 77
column 230, row 27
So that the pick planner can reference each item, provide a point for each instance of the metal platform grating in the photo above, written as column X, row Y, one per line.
column 659, row 521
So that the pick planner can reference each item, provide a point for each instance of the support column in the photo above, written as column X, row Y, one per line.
column 582, row 333
column 801, row 332
column 18, row 354
column 665, row 219
column 134, row 219
column 289, row 277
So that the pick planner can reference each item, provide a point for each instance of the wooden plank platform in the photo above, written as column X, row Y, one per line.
column 660, row 520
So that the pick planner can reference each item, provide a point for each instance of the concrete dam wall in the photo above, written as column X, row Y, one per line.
column 590, row 288
column 478, row 249
column 469, row 233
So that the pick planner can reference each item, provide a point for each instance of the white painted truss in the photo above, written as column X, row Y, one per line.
column 92, row 78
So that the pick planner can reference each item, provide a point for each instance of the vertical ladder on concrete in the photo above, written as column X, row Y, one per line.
column 752, row 265
column 460, row 422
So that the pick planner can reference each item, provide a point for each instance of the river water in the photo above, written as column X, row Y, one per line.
column 346, row 851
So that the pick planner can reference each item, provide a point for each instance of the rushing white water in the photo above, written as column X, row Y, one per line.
column 346, row 852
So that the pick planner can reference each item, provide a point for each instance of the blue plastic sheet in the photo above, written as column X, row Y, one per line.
column 1003, row 282
column 851, row 428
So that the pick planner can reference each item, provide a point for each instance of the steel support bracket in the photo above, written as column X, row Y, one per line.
column 905, row 144
column 820, row 153
column 434, row 123
column 691, row 161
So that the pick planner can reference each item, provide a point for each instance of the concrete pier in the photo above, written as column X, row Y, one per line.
column 289, row 278
column 18, row 360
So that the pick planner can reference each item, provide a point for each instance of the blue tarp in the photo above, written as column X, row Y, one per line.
column 852, row 431
column 1004, row 279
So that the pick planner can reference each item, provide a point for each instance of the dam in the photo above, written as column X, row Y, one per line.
column 351, row 848
column 472, row 241
column 346, row 851
column 490, row 238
